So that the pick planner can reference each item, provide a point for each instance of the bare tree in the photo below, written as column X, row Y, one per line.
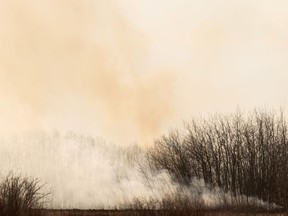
column 243, row 154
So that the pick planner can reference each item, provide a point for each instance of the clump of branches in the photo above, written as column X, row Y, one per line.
column 244, row 155
column 21, row 196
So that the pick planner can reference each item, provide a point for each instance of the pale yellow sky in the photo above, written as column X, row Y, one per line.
column 128, row 70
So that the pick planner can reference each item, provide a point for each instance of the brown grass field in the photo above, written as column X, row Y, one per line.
column 130, row 212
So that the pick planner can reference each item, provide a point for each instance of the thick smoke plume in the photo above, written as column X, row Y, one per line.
column 73, row 65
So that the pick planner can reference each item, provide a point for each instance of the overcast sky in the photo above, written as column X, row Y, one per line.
column 129, row 70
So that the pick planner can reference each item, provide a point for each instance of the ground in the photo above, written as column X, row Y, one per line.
column 153, row 213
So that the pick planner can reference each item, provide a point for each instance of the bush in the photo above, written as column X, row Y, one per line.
column 21, row 196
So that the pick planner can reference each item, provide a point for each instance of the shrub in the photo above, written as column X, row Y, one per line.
column 21, row 196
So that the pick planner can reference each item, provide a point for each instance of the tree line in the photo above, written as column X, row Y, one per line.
column 243, row 154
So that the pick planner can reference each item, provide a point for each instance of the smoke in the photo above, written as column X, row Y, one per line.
column 85, row 172
column 127, row 70
column 85, row 66
column 80, row 171
column 79, row 65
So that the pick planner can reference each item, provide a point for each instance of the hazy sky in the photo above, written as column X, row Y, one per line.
column 128, row 70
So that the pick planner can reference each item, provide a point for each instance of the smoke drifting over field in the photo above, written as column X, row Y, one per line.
column 127, row 70
column 83, row 172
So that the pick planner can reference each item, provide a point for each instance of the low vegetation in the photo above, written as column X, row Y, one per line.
column 21, row 196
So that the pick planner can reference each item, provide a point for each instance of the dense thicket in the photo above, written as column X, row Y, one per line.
column 20, row 196
column 242, row 154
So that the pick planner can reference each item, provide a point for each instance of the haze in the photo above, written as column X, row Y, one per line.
column 129, row 70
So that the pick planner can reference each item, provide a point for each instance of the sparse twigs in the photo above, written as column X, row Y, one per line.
column 21, row 196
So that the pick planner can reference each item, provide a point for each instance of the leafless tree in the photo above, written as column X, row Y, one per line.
column 243, row 154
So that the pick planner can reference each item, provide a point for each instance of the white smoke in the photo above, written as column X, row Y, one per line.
column 81, row 171
column 86, row 173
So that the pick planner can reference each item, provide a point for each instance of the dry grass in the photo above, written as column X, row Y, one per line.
column 131, row 212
